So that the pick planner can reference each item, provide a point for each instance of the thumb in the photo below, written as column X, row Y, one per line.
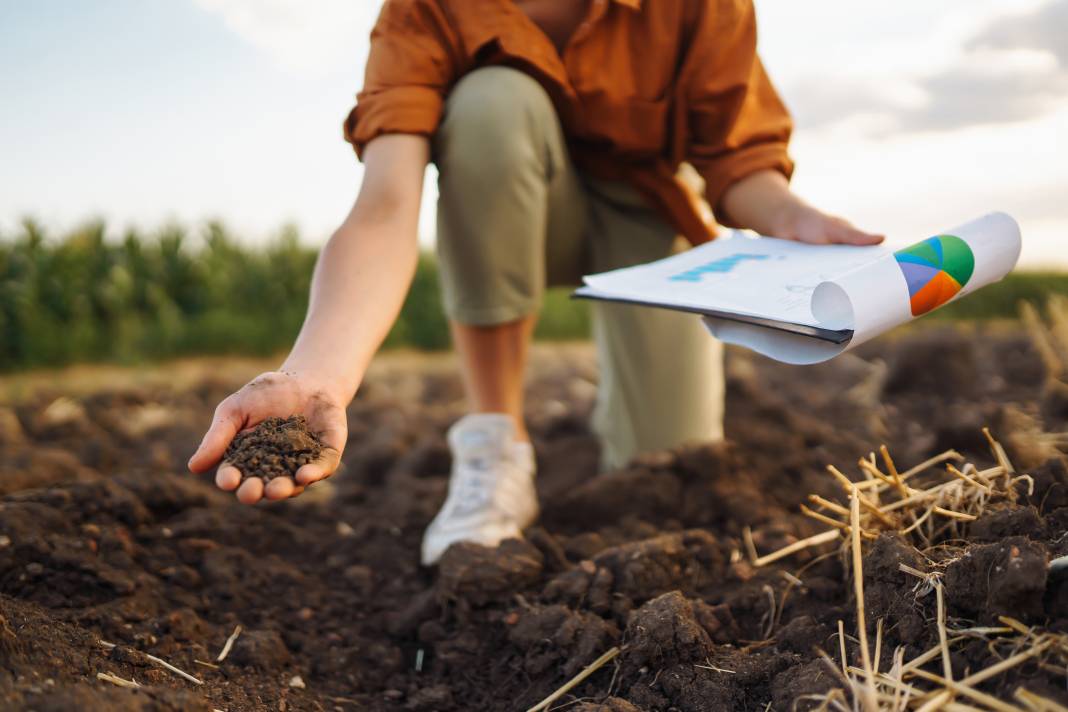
column 224, row 426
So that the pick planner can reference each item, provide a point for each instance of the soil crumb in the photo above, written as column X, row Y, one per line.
column 277, row 447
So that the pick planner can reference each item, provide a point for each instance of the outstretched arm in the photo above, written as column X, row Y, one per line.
column 365, row 269
column 360, row 281
column 739, row 131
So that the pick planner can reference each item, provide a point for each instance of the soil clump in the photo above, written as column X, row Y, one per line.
column 277, row 447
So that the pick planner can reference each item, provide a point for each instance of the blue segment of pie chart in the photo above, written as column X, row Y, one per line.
column 936, row 244
column 914, row 259
column 917, row 274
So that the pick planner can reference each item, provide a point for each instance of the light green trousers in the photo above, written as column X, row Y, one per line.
column 515, row 216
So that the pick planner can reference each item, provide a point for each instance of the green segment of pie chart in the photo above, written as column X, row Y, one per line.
column 957, row 258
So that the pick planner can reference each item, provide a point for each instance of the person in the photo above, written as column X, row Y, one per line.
column 558, row 128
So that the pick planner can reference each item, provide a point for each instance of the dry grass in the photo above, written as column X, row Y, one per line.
column 582, row 675
column 926, row 504
column 1050, row 338
column 229, row 644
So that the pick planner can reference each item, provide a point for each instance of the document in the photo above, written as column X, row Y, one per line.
column 804, row 304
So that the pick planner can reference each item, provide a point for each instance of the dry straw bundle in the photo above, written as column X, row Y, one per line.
column 927, row 504
column 1050, row 340
column 893, row 501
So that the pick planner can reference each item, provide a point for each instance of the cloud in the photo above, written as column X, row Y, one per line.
column 1013, row 69
column 826, row 101
column 307, row 39
column 961, row 97
column 1045, row 29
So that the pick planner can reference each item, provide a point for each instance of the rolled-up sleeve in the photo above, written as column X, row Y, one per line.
column 737, row 124
column 411, row 67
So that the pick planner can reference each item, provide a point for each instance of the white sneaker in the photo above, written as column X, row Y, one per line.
column 491, row 489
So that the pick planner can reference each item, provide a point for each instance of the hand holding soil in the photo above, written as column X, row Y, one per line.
column 278, row 434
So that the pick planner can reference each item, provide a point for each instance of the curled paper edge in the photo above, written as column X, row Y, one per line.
column 874, row 298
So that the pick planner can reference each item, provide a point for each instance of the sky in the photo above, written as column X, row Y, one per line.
column 912, row 116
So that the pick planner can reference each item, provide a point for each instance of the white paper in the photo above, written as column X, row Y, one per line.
column 865, row 289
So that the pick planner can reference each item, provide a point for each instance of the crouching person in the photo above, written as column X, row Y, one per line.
column 558, row 128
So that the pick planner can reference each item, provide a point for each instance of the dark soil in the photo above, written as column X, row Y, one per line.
column 104, row 539
column 277, row 447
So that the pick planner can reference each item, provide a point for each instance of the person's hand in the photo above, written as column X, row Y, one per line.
column 803, row 223
column 280, row 394
column 762, row 201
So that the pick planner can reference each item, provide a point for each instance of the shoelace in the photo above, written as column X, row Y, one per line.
column 474, row 485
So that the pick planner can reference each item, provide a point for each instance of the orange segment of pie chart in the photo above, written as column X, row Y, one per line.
column 934, row 294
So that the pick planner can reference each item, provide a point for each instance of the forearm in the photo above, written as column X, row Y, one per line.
column 364, row 271
column 360, row 282
column 762, row 202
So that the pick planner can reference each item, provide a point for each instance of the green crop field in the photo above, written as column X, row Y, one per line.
column 87, row 296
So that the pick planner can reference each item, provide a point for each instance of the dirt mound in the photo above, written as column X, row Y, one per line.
column 1003, row 579
column 665, row 632
column 110, row 554
column 475, row 574
column 620, row 577
column 889, row 594
column 277, row 447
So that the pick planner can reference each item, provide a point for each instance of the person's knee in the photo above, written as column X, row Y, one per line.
column 493, row 155
column 495, row 118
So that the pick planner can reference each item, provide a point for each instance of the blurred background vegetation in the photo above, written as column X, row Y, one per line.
column 90, row 296
column 87, row 296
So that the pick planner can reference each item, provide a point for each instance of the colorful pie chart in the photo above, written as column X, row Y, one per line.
column 935, row 270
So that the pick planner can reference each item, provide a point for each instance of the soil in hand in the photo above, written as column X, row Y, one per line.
column 277, row 447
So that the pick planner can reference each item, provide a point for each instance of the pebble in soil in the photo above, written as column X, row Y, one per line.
column 277, row 447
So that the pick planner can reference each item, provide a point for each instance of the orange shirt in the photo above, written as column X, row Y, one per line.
column 642, row 86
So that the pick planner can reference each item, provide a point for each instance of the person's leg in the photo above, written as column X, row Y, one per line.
column 493, row 363
column 505, row 183
column 511, row 206
column 661, row 371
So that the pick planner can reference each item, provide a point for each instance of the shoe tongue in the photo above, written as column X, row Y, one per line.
column 480, row 446
column 478, row 438
column 481, row 432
